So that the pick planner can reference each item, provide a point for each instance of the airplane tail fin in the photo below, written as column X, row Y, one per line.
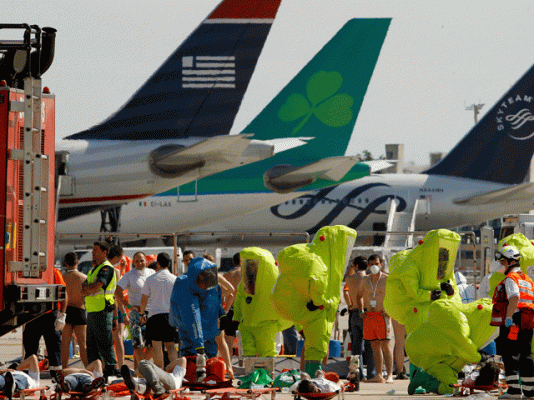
column 199, row 88
column 499, row 148
column 322, row 102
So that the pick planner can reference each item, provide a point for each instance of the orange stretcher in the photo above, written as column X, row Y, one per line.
column 94, row 395
column 186, row 393
column 465, row 389
column 39, row 393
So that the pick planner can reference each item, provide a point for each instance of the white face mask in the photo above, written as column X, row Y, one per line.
column 375, row 269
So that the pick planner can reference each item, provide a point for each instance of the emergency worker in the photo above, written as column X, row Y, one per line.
column 425, row 274
column 444, row 334
column 99, row 289
column 258, row 321
column 307, row 291
column 195, row 311
column 513, row 311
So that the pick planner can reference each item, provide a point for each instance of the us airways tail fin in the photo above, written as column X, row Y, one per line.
column 198, row 90
column 500, row 147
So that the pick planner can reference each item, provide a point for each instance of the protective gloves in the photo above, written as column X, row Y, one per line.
column 201, row 364
column 447, row 288
column 60, row 321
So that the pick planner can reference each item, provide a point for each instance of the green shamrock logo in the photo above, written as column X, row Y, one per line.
column 331, row 109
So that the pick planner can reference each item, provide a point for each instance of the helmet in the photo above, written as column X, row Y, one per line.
column 508, row 253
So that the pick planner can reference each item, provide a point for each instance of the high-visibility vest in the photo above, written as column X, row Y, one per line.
column 97, row 301
column 500, row 300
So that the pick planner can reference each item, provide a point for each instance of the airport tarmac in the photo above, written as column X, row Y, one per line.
column 11, row 349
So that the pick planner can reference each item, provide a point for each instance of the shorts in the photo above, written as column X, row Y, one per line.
column 230, row 327
column 76, row 316
column 158, row 328
column 377, row 326
column 138, row 331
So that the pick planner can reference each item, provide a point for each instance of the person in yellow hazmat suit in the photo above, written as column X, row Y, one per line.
column 444, row 333
column 307, row 291
column 258, row 321
column 425, row 274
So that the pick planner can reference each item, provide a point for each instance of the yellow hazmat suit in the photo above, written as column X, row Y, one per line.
column 447, row 341
column 419, row 272
column 258, row 321
column 444, row 333
column 308, row 289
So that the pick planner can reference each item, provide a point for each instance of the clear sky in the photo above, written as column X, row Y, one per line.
column 438, row 58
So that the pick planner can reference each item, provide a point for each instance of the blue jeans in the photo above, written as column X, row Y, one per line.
column 77, row 381
column 290, row 340
column 21, row 382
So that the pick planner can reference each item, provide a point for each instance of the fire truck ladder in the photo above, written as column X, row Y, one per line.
column 36, row 166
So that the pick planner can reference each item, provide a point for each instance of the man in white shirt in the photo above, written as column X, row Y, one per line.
column 134, row 281
column 319, row 384
column 155, row 378
column 156, row 298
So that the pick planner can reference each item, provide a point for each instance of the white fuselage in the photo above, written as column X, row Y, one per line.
column 362, row 204
column 107, row 173
column 168, row 214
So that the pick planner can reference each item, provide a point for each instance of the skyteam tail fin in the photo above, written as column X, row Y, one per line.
column 198, row 90
column 321, row 104
column 500, row 147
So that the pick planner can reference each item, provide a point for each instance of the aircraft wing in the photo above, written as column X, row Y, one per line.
column 509, row 194
column 287, row 178
column 177, row 160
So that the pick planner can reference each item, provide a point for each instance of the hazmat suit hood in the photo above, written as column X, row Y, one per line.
column 201, row 269
column 436, row 255
column 259, row 272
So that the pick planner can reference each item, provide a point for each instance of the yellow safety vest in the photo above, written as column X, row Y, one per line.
column 97, row 301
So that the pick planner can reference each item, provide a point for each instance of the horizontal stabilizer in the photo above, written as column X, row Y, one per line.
column 288, row 178
column 378, row 165
column 175, row 160
column 507, row 195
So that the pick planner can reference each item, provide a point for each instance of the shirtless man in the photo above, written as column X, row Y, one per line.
column 376, row 323
column 76, row 319
column 234, row 277
column 360, row 348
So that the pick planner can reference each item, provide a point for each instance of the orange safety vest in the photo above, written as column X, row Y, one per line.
column 500, row 300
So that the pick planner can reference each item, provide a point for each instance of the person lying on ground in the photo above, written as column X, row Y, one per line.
column 319, row 384
column 80, row 379
column 13, row 381
column 155, row 378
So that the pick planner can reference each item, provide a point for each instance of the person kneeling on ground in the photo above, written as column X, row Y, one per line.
column 15, row 380
column 317, row 385
column 155, row 378
column 79, row 379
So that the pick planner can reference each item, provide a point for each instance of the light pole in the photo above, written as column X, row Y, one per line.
column 476, row 108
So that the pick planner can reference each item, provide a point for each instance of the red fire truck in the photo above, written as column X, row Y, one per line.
column 27, row 177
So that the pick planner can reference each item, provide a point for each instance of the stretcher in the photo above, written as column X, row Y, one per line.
column 185, row 393
column 37, row 393
column 93, row 395
column 318, row 396
column 465, row 389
